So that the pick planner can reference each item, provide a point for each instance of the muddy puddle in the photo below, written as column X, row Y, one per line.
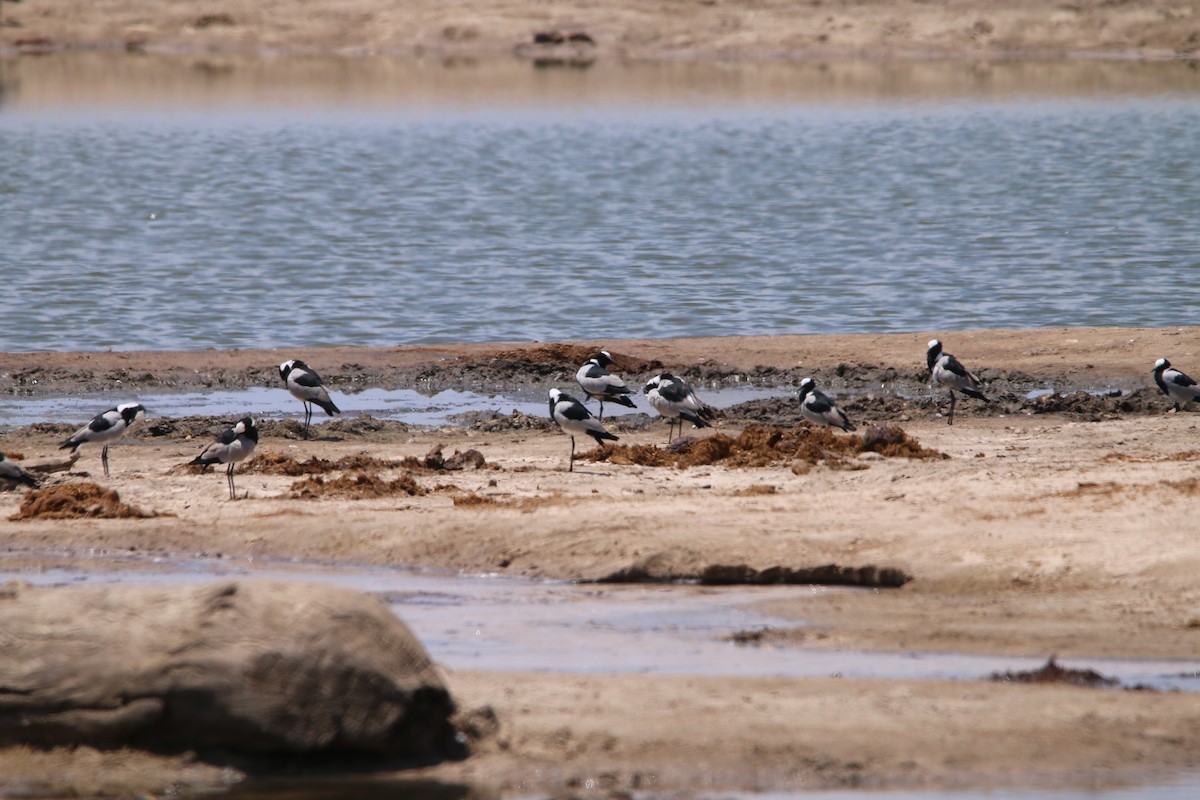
column 484, row 622
column 415, row 408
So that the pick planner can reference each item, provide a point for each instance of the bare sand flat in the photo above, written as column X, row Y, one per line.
column 1038, row 534
column 616, row 28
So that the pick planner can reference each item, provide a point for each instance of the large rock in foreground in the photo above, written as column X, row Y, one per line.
column 242, row 665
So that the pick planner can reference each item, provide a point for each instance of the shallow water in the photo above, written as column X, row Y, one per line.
column 489, row 622
column 526, row 217
column 415, row 408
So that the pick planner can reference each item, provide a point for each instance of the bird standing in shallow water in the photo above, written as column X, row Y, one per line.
column 573, row 418
column 233, row 445
column 104, row 428
column 596, row 381
column 1174, row 384
column 946, row 370
column 306, row 386
column 818, row 409
column 13, row 474
column 673, row 398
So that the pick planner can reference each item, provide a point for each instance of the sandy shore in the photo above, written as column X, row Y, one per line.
column 1039, row 534
column 705, row 29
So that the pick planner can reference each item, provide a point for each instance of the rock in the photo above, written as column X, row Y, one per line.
column 248, row 666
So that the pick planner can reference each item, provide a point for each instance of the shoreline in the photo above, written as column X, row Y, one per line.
column 1030, row 538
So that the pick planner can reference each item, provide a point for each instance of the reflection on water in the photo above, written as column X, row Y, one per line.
column 99, row 81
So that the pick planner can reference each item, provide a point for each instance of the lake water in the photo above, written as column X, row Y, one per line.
column 236, row 205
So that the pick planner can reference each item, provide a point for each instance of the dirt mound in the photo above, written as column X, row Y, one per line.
column 1051, row 672
column 76, row 501
column 761, row 446
column 356, row 486
column 496, row 422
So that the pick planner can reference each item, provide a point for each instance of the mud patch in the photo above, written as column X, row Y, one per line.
column 77, row 501
column 760, row 446
column 744, row 575
column 1051, row 672
column 357, row 486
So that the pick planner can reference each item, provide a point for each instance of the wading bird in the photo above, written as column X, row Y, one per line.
column 573, row 418
column 13, row 475
column 596, row 381
column 673, row 398
column 104, row 428
column 233, row 445
column 306, row 386
column 946, row 370
column 818, row 409
column 1174, row 384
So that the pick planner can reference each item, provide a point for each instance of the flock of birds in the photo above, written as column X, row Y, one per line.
column 671, row 396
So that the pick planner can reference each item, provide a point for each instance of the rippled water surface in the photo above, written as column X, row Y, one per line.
column 263, row 223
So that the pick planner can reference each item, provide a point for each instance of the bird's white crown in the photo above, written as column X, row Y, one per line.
column 933, row 343
column 1162, row 362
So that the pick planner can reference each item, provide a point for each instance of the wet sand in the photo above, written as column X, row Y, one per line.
column 1040, row 534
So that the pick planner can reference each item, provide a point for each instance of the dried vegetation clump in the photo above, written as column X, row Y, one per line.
column 272, row 463
column 762, row 446
column 355, row 486
column 1051, row 672
column 77, row 501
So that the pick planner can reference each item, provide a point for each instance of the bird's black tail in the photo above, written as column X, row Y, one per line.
column 327, row 406
column 697, row 421
column 978, row 395
column 28, row 480
column 69, row 443
column 621, row 400
column 600, row 436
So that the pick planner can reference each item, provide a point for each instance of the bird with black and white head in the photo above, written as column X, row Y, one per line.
column 306, row 386
column 597, row 382
column 817, row 408
column 675, row 400
column 13, row 475
column 105, row 428
column 574, row 419
column 235, row 444
column 1175, row 384
column 949, row 372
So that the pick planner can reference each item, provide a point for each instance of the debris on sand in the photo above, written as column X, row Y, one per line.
column 77, row 501
column 745, row 575
column 273, row 463
column 761, row 446
column 1051, row 672
column 892, row 441
column 356, row 486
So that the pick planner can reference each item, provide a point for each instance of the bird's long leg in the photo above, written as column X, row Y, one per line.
column 103, row 450
column 950, row 421
column 601, row 416
column 307, row 417
column 571, row 463
column 229, row 478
